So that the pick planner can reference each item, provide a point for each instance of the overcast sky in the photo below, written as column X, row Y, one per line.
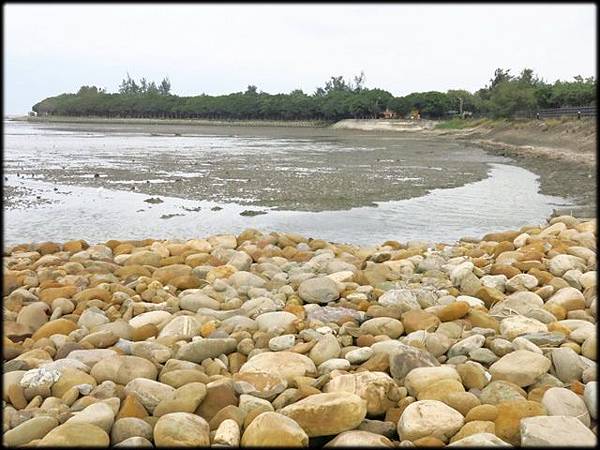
column 217, row 49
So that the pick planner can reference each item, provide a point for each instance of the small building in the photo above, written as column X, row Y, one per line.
column 389, row 114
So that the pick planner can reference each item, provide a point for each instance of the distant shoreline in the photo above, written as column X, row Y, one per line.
column 201, row 122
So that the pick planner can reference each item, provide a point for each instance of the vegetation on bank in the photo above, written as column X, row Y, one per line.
column 459, row 124
column 486, row 122
column 337, row 99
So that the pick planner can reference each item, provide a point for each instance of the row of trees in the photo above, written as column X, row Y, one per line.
column 337, row 99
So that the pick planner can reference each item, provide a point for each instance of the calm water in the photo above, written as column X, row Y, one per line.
column 59, row 204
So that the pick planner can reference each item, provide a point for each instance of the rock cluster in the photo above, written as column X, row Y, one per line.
column 279, row 340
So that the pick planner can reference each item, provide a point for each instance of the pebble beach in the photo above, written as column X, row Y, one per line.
column 280, row 339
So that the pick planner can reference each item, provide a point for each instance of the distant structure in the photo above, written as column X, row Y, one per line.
column 32, row 114
column 415, row 115
column 388, row 114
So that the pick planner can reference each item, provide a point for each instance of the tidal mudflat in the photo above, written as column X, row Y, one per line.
column 91, row 181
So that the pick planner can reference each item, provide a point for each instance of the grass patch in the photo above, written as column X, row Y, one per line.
column 553, row 122
column 459, row 124
column 453, row 124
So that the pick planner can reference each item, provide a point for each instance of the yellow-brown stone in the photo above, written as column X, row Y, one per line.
column 144, row 332
column 393, row 414
column 297, row 310
column 489, row 295
column 48, row 295
column 123, row 249
column 524, row 266
column 208, row 328
column 501, row 236
column 504, row 269
column 58, row 326
column 134, row 269
column 473, row 427
column 440, row 389
column 475, row 252
column 73, row 246
column 379, row 362
column 482, row 319
column 93, row 293
column 557, row 327
column 131, row 407
column 416, row 319
column 509, row 417
column 557, row 311
column 542, row 276
column 472, row 376
column 236, row 361
column 463, row 402
column 171, row 260
column 429, row 441
column 186, row 282
column 558, row 283
column 16, row 396
column 482, row 412
column 536, row 394
column 481, row 262
column 504, row 246
column 453, row 311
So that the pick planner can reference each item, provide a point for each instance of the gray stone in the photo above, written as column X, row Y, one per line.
column 559, row 431
column 480, row 440
column 136, row 441
column 327, row 314
column 318, row 290
column 100, row 414
column 429, row 418
column 129, row 427
column 545, row 338
column 283, row 342
column 467, row 345
column 566, row 364
column 359, row 355
column 193, row 302
column 520, row 367
column 387, row 429
column 564, row 402
column 483, row 356
column 149, row 392
column 591, row 399
column 407, row 358
column 198, row 351
column 403, row 298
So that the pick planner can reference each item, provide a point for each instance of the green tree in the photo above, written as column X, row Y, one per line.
column 164, row 88
column 508, row 97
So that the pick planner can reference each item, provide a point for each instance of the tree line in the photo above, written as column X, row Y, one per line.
column 338, row 99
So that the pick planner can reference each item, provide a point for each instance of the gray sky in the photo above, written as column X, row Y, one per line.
column 217, row 49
